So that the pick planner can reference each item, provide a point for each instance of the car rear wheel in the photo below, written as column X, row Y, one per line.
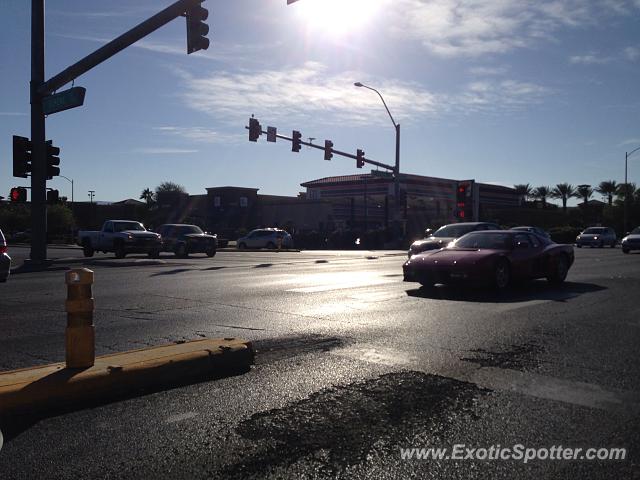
column 242, row 245
column 87, row 251
column 211, row 252
column 154, row 254
column 613, row 244
column 560, row 271
column 502, row 275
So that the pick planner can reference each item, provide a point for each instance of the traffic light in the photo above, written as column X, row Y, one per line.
column 255, row 130
column 328, row 147
column 18, row 194
column 197, row 29
column 463, row 204
column 21, row 156
column 360, row 159
column 52, row 161
column 296, row 139
column 52, row 197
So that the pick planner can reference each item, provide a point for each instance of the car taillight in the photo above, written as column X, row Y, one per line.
column 3, row 249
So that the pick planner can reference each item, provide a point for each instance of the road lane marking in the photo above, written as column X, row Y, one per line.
column 524, row 383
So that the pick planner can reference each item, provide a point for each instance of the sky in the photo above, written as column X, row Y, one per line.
column 505, row 92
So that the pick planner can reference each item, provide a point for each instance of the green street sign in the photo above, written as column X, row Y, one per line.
column 381, row 173
column 74, row 97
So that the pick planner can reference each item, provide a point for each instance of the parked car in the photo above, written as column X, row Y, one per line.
column 266, row 238
column 120, row 237
column 597, row 237
column 536, row 230
column 631, row 241
column 446, row 234
column 5, row 259
column 491, row 257
column 182, row 240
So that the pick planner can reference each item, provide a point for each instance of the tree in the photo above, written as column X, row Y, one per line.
column 608, row 188
column 523, row 190
column 170, row 187
column 148, row 196
column 542, row 193
column 584, row 192
column 563, row 191
column 625, row 190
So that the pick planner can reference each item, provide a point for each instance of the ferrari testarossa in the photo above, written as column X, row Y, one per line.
column 493, row 257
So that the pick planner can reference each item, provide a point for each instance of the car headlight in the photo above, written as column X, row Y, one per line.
column 595, row 238
column 129, row 237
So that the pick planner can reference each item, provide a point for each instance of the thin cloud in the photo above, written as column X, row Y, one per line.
column 630, row 141
column 200, row 134
column 312, row 93
column 450, row 28
column 632, row 53
column 13, row 114
column 588, row 59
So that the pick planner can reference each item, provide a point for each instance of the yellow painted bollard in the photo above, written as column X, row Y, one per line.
column 80, row 337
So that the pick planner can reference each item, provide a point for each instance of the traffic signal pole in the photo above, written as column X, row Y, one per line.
column 38, row 148
column 39, row 89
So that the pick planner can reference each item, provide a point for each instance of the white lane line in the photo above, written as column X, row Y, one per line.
column 524, row 383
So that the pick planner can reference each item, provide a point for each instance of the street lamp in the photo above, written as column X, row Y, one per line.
column 396, row 170
column 70, row 180
column 92, row 193
column 626, row 187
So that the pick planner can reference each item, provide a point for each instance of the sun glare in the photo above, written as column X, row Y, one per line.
column 338, row 17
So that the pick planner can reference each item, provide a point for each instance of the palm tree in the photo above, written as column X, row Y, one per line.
column 608, row 188
column 542, row 193
column 625, row 190
column 563, row 191
column 584, row 192
column 523, row 190
column 147, row 195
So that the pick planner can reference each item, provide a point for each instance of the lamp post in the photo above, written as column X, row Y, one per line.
column 70, row 180
column 626, row 187
column 396, row 170
column 92, row 193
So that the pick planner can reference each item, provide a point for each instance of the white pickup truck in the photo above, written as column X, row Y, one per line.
column 120, row 237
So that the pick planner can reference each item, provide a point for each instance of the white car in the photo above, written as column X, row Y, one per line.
column 266, row 238
column 5, row 259
column 631, row 241
column 597, row 237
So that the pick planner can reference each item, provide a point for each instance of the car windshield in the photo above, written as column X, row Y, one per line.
column 124, row 226
column 635, row 231
column 190, row 229
column 483, row 240
column 453, row 231
column 594, row 230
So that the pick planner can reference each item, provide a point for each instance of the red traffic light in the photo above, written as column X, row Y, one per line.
column 18, row 194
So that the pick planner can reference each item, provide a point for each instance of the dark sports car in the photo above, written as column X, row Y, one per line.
column 494, row 257
column 185, row 239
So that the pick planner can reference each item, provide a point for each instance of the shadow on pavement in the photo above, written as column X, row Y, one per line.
column 15, row 423
column 536, row 290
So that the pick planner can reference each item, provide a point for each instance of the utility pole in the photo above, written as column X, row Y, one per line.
column 92, row 193
column 38, row 148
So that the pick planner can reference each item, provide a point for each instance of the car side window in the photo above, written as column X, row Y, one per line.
column 533, row 240
column 108, row 227
column 521, row 238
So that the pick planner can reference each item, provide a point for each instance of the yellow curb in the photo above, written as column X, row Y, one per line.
column 38, row 388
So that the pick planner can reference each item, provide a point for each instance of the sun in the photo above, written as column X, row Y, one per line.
column 337, row 17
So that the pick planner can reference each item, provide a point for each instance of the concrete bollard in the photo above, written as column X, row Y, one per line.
column 80, row 333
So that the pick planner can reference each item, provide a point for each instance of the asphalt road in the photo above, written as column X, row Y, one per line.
column 352, row 366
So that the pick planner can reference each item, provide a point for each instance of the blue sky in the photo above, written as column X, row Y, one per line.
column 507, row 91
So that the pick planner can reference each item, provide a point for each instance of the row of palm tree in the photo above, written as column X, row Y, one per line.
column 565, row 191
